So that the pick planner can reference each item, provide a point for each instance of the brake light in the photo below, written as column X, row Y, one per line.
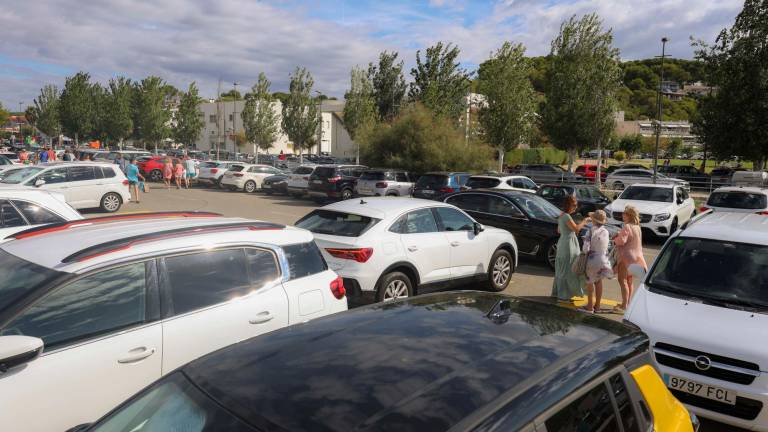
column 125, row 182
column 703, row 209
column 214, row 170
column 360, row 255
column 337, row 288
column 764, row 212
column 238, row 174
column 447, row 189
column 334, row 179
column 381, row 185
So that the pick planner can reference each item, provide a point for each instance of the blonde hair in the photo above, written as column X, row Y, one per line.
column 631, row 213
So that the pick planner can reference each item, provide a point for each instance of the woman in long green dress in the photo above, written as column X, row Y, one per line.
column 567, row 284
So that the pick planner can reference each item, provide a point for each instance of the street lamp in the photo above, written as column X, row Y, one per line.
column 319, row 123
column 664, row 41
column 234, row 117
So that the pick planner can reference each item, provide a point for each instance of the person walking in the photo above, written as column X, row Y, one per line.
column 178, row 173
column 43, row 157
column 598, row 265
column 629, row 250
column 191, row 170
column 121, row 162
column 567, row 284
column 134, row 177
column 167, row 172
column 51, row 155
column 67, row 156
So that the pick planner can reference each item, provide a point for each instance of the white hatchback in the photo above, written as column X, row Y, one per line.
column 95, row 310
column 211, row 172
column 390, row 248
column 298, row 180
column 21, row 209
column 247, row 177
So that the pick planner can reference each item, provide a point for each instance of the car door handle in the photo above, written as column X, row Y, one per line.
column 455, row 243
column 413, row 248
column 262, row 317
column 136, row 354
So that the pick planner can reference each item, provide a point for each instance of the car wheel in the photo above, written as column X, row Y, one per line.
column 673, row 227
column 550, row 253
column 393, row 286
column 249, row 187
column 500, row 270
column 156, row 175
column 392, row 194
column 111, row 202
column 346, row 194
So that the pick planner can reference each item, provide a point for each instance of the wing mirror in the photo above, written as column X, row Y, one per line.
column 39, row 182
column 637, row 271
column 477, row 228
column 18, row 350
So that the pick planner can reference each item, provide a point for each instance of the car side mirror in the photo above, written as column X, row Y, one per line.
column 18, row 350
column 39, row 182
column 637, row 271
column 477, row 228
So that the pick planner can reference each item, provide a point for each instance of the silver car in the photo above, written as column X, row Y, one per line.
column 620, row 179
column 384, row 182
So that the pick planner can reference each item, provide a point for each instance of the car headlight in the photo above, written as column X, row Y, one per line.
column 607, row 210
column 661, row 217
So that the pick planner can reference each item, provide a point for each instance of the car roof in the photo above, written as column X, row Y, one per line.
column 382, row 207
column 742, row 189
column 59, row 164
column 499, row 192
column 657, row 185
column 426, row 363
column 748, row 228
column 445, row 173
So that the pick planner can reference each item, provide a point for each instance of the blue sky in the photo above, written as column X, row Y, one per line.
column 205, row 41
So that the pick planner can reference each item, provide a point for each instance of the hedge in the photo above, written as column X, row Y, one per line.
column 536, row 155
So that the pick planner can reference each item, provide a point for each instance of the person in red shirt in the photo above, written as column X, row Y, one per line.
column 51, row 155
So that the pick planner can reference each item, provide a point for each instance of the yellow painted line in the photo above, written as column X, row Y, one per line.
column 582, row 301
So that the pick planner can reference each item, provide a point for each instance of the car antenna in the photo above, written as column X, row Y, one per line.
column 363, row 202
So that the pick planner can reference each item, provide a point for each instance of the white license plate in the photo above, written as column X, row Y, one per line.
column 703, row 390
column 428, row 192
column 317, row 181
column 266, row 186
column 364, row 190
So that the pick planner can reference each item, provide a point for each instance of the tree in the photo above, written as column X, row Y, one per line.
column 46, row 107
column 300, row 113
column 150, row 114
column 674, row 147
column 4, row 114
column 232, row 95
column 631, row 144
column 388, row 85
column 116, row 112
column 439, row 82
column 619, row 156
column 582, row 84
column 360, row 106
column 189, row 123
column 77, row 106
column 510, row 103
column 240, row 140
column 260, row 121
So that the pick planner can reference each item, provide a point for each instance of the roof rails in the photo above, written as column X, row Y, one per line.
column 128, row 242
column 61, row 226
column 695, row 219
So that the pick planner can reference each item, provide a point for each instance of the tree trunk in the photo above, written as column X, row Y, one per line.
column 77, row 141
column 501, row 159
column 571, row 158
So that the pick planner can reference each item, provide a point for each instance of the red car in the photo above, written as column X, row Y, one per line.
column 152, row 168
column 589, row 171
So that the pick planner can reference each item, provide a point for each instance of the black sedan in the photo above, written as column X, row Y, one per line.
column 277, row 183
column 589, row 197
column 451, row 361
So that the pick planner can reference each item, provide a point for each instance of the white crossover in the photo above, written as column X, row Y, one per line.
column 21, row 209
column 247, row 177
column 737, row 199
column 662, row 208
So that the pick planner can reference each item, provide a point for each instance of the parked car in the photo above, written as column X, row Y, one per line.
column 466, row 361
column 126, row 154
column 82, row 323
column 703, row 306
column 546, row 173
column 620, row 179
column 21, row 209
column 384, row 182
column 9, row 158
column 663, row 208
column 83, row 184
column 520, row 183
column 689, row 173
column 211, row 172
column 613, row 168
column 436, row 185
column 390, row 248
column 152, row 168
column 10, row 170
column 750, row 178
column 738, row 200
column 334, row 182
column 589, row 197
column 721, row 176
column 246, row 177
column 298, row 180
column 277, row 183
column 589, row 172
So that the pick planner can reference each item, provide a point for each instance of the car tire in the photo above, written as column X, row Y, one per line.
column 500, row 270
column 346, row 194
column 549, row 253
column 156, row 175
column 269, row 192
column 111, row 202
column 393, row 286
column 250, row 186
column 673, row 227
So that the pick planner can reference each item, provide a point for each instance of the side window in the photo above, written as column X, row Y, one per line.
column 528, row 184
column 547, row 192
column 108, row 172
column 9, row 216
column 642, row 174
column 416, row 222
column 262, row 266
column 98, row 172
column 591, row 412
column 401, row 177
column 36, row 214
column 463, row 179
column 583, row 194
column 500, row 206
column 624, row 403
column 57, row 175
column 81, row 173
column 454, row 220
column 304, row 259
column 204, row 279
column 96, row 304
column 470, row 202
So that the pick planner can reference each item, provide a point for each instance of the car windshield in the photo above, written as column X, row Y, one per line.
column 373, row 175
column 482, row 182
column 647, row 193
column 738, row 200
column 695, row 268
column 536, row 207
column 431, row 181
column 21, row 175
column 324, row 172
column 19, row 277
column 336, row 223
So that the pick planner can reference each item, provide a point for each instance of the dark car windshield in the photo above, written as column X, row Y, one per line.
column 695, row 268
column 536, row 207
column 324, row 172
column 21, row 175
column 376, row 175
column 19, row 277
column 336, row 223
column 738, row 200
column 482, row 182
column 431, row 181
column 647, row 193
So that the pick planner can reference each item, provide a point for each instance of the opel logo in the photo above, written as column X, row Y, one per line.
column 702, row 363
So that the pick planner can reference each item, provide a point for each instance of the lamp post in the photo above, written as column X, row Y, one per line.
column 234, row 117
column 664, row 41
column 319, row 123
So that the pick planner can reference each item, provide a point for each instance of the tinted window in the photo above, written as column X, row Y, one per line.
column 374, row 175
column 19, row 277
column 336, row 223
column 554, row 192
column 107, row 172
column 9, row 216
column 236, row 168
column 502, row 207
column 738, row 200
column 324, row 172
column 416, row 222
column 209, row 165
column 523, row 184
column 431, row 181
column 624, row 403
column 470, row 202
column 53, row 176
column 402, row 177
column 96, row 304
column 81, row 173
column 482, row 183
column 204, row 279
column 647, row 193
column 304, row 259
column 262, row 266
column 583, row 194
column 536, row 207
column 591, row 412
column 454, row 220
column 303, row 170
column 36, row 214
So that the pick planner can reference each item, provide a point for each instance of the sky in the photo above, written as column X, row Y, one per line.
column 207, row 41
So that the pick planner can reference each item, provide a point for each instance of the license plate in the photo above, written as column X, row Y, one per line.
column 364, row 190
column 703, row 390
column 428, row 192
column 266, row 186
column 317, row 181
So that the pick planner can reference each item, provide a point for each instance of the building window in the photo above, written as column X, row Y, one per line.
column 231, row 118
column 212, row 118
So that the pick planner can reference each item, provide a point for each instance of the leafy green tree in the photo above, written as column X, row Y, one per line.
column 360, row 106
column 77, row 106
column 674, row 147
column 631, row 144
column 619, row 156
column 4, row 114
column 232, row 95
column 150, row 116
column 46, row 106
column 388, row 85
column 259, row 119
column 582, row 86
column 300, row 112
column 508, row 114
column 439, row 82
column 189, row 122
column 116, row 109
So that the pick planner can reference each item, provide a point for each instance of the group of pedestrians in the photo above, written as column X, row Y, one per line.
column 578, row 267
column 180, row 171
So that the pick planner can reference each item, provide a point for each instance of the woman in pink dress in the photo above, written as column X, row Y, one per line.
column 629, row 250
column 178, row 172
column 167, row 172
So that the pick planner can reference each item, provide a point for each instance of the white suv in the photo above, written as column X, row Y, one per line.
column 247, row 177
column 298, row 180
column 22, row 209
column 704, row 305
column 93, row 311
column 211, row 172
column 390, row 248
column 662, row 208
column 738, row 199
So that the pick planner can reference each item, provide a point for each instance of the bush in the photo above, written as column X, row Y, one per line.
column 619, row 155
column 538, row 155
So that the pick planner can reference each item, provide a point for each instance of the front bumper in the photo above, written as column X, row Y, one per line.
column 660, row 229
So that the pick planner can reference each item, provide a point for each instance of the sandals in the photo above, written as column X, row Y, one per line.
column 618, row 309
column 586, row 309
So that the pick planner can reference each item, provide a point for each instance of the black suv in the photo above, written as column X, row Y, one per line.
column 334, row 182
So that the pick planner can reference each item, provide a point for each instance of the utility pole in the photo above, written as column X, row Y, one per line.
column 234, row 118
column 219, row 116
column 319, row 123
column 664, row 41
column 466, row 122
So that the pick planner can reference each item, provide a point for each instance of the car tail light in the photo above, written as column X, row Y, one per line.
column 337, row 288
column 381, row 185
column 764, row 212
column 125, row 182
column 334, row 179
column 447, row 189
column 360, row 255
column 238, row 174
column 214, row 170
column 305, row 178
column 703, row 209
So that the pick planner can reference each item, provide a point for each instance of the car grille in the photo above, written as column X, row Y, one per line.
column 722, row 368
column 747, row 409
column 644, row 218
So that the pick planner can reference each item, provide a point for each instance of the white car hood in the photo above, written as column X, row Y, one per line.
column 716, row 330
column 647, row 207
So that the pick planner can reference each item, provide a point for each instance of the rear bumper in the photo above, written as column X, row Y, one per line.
column 355, row 295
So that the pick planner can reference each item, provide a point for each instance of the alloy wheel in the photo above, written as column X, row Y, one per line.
column 111, row 203
column 396, row 289
column 250, row 186
column 501, row 271
column 552, row 255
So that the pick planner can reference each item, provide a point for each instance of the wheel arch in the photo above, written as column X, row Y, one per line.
column 509, row 248
column 404, row 267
